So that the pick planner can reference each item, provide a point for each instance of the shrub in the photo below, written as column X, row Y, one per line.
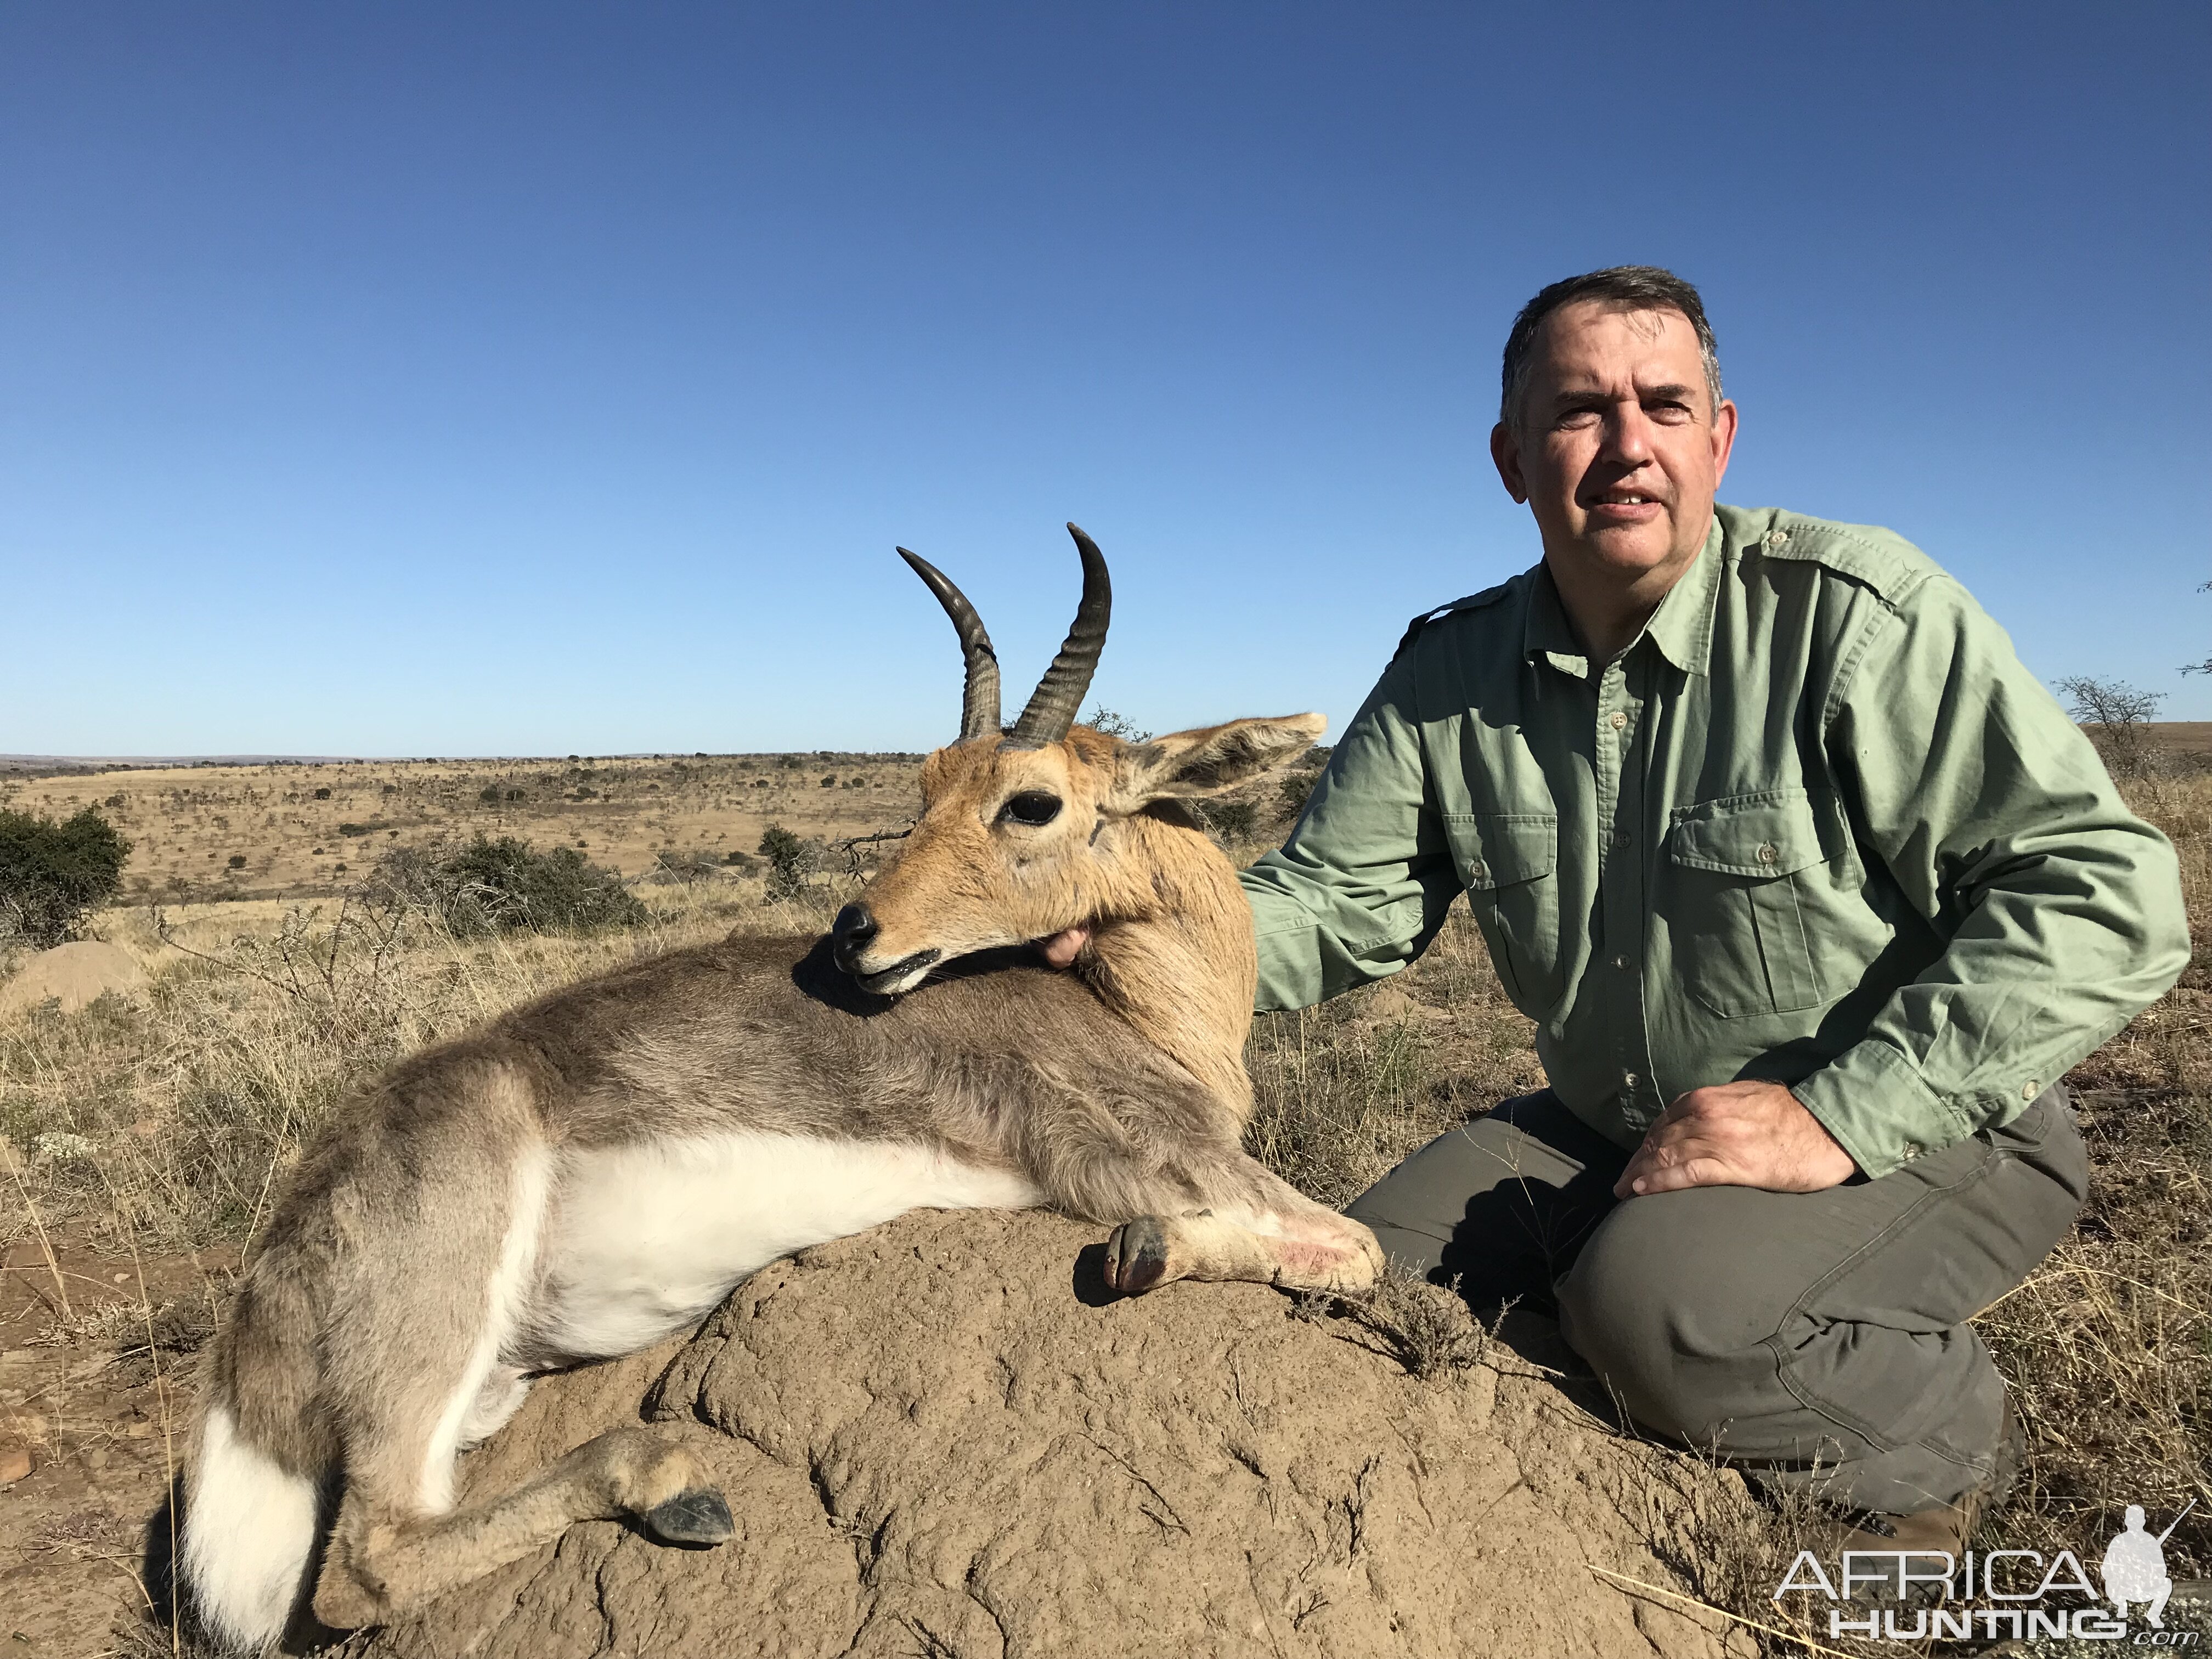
column 1228, row 820
column 53, row 873
column 685, row 867
column 790, row 862
column 238, row 860
column 1293, row 790
column 487, row 885
column 322, row 795
column 489, row 796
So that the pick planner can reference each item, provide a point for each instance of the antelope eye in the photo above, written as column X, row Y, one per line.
column 1032, row 806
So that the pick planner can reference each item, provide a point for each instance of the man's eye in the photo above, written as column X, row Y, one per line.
column 1575, row 418
column 1673, row 413
column 1032, row 806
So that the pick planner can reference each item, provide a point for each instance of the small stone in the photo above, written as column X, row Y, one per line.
column 141, row 1429
column 14, row 1464
column 122, row 1278
column 1391, row 1007
column 96, row 1458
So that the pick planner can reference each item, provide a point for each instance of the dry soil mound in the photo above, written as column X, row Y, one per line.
column 938, row 1441
column 73, row 973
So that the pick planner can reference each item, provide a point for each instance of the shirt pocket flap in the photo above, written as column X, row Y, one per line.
column 1498, row 849
column 1754, row 836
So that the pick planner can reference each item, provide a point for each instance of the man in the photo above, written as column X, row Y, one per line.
column 1813, row 894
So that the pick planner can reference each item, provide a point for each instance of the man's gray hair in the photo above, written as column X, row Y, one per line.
column 1625, row 288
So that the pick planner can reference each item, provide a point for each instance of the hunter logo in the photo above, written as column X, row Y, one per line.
column 2019, row 1595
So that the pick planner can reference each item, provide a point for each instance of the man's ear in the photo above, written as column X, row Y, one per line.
column 1207, row 761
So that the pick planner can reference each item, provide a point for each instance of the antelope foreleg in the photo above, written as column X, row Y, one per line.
column 1291, row 1242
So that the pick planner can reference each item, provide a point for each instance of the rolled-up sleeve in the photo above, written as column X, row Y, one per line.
column 1364, row 880
column 2062, row 910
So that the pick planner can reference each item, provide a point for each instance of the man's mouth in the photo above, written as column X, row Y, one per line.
column 1625, row 505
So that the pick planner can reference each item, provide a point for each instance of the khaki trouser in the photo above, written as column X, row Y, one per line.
column 1818, row 1339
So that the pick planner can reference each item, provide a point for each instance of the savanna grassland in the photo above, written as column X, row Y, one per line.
column 141, row 1139
column 290, row 831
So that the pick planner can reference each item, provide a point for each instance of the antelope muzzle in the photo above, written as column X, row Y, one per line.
column 850, row 936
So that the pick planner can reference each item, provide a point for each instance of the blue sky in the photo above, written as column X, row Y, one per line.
column 468, row 378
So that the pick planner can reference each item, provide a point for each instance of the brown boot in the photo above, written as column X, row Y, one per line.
column 1943, row 1530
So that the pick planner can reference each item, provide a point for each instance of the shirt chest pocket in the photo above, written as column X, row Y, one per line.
column 1508, row 862
column 1741, row 897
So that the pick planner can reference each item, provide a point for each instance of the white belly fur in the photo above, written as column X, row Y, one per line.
column 645, row 1239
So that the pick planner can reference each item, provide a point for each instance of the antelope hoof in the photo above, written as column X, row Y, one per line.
column 1137, row 1255
column 343, row 1602
column 699, row 1516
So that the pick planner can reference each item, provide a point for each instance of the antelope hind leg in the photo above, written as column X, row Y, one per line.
column 379, row 1564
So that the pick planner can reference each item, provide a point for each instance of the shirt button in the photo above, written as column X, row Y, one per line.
column 1618, row 720
column 1777, row 539
column 1628, row 1081
column 1475, row 871
column 1912, row 1149
column 1620, row 962
column 2030, row 1090
column 1766, row 852
column 1620, row 838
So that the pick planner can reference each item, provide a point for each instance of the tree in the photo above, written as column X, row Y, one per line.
column 53, row 874
column 2204, row 667
column 2118, row 716
column 1102, row 719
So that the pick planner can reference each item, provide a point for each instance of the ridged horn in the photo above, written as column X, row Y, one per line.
column 979, row 697
column 1059, row 694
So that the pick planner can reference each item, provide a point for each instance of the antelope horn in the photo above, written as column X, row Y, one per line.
column 1059, row 694
column 979, row 698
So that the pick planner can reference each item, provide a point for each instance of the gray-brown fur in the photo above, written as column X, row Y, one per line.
column 1116, row 1093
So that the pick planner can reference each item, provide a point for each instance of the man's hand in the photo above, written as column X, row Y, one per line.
column 1735, row 1134
column 1062, row 948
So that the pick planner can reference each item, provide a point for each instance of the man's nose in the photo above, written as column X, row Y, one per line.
column 849, row 935
column 1628, row 435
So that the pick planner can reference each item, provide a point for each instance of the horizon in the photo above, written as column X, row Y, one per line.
column 520, row 382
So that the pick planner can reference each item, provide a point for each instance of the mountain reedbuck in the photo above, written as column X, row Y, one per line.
column 597, row 1170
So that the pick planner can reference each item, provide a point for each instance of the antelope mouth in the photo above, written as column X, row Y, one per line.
column 902, row 975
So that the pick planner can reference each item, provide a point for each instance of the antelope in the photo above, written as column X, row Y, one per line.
column 597, row 1170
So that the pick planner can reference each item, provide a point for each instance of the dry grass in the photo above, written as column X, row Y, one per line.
column 165, row 1124
column 187, row 1108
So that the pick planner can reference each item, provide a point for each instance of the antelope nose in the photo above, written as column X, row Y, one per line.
column 849, row 935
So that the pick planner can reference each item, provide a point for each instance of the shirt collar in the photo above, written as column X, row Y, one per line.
column 1682, row 628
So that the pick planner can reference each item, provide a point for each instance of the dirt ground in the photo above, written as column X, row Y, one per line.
column 91, row 1421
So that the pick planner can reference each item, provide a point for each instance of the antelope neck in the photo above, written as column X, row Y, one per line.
column 1176, row 960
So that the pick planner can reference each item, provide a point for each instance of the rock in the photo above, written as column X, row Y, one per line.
column 939, row 1437
column 14, row 1464
column 75, row 975
column 1389, row 1006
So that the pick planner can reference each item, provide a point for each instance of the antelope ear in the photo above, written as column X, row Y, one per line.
column 1207, row 761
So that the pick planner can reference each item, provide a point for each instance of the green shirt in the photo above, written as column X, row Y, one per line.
column 1817, row 825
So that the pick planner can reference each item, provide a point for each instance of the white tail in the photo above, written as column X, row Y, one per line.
column 250, row 1531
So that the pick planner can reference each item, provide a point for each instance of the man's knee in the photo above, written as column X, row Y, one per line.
column 1676, row 1332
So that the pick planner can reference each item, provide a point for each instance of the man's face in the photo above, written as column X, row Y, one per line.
column 1618, row 449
